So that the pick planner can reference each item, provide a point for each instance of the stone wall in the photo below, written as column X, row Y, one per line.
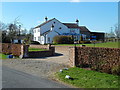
column 99, row 59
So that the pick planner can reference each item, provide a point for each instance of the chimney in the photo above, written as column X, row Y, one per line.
column 46, row 18
column 77, row 21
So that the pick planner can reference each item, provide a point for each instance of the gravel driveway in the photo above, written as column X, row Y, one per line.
column 43, row 67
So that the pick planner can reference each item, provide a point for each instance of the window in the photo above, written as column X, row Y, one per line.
column 42, row 38
column 48, row 39
column 54, row 22
column 34, row 38
column 75, row 38
column 72, row 31
column 38, row 38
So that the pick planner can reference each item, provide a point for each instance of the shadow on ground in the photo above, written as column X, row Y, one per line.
column 55, row 55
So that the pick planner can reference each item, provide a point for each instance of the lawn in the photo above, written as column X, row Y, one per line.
column 108, row 44
column 88, row 79
column 3, row 56
column 36, row 49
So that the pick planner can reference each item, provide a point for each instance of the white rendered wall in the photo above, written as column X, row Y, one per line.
column 42, row 40
column 36, row 34
column 47, row 26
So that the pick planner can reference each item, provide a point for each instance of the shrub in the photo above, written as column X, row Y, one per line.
column 63, row 40
column 85, row 42
column 34, row 42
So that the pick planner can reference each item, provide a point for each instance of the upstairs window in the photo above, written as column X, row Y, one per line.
column 72, row 31
column 54, row 22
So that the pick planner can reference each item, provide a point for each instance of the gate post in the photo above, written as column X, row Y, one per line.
column 24, row 51
column 72, row 56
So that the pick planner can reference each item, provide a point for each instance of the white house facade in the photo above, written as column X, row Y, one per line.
column 45, row 32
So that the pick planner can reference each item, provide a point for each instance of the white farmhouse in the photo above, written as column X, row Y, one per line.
column 45, row 32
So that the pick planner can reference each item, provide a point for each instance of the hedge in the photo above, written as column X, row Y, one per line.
column 63, row 40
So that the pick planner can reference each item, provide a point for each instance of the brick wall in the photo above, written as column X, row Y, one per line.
column 100, row 59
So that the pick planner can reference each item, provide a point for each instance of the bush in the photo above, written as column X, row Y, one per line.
column 6, row 40
column 63, row 40
column 85, row 42
column 34, row 42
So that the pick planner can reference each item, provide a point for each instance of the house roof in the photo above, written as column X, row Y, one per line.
column 83, row 29
column 44, row 23
column 71, row 25
column 97, row 33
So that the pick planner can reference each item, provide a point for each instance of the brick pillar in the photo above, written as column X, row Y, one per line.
column 72, row 56
column 52, row 49
column 24, row 51
column 48, row 47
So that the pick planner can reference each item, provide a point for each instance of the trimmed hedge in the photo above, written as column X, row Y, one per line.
column 99, row 59
column 8, row 48
column 63, row 40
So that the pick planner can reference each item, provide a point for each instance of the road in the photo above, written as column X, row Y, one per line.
column 16, row 79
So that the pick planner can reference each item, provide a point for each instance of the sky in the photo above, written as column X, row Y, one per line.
column 60, row 0
column 96, row 16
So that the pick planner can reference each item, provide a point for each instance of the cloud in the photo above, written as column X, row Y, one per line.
column 75, row 1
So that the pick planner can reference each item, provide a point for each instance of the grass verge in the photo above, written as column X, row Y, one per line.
column 88, row 79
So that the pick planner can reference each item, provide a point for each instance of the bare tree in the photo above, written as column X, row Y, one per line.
column 117, row 31
column 3, row 26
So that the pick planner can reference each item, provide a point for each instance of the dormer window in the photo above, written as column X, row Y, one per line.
column 60, row 28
